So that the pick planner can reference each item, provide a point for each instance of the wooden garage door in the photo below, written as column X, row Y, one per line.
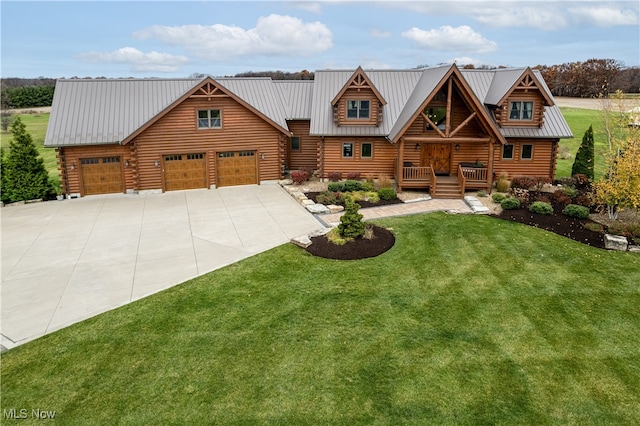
column 184, row 171
column 237, row 168
column 101, row 175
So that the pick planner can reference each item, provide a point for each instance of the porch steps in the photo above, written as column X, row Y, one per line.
column 447, row 187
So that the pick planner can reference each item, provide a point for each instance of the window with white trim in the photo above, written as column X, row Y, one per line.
column 366, row 150
column 521, row 110
column 507, row 152
column 358, row 109
column 527, row 152
column 209, row 119
column 347, row 150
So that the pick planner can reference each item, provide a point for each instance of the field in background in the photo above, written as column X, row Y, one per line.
column 37, row 127
column 579, row 121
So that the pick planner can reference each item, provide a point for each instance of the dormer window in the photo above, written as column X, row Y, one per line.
column 358, row 110
column 521, row 110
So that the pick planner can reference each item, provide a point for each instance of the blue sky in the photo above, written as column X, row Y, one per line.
column 177, row 39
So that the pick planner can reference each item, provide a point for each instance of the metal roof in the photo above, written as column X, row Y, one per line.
column 394, row 86
column 260, row 93
column 92, row 112
column 296, row 97
column 97, row 111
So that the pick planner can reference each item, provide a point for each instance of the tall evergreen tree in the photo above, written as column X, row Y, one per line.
column 583, row 164
column 24, row 176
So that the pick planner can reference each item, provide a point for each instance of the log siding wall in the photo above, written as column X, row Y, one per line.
column 382, row 162
column 307, row 157
column 177, row 133
column 542, row 162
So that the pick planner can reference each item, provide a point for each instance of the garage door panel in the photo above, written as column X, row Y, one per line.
column 237, row 168
column 185, row 171
column 102, row 175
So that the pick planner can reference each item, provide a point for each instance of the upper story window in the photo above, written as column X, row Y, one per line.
column 438, row 115
column 209, row 119
column 358, row 109
column 521, row 110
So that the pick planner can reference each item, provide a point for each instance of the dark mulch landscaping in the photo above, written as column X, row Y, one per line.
column 360, row 248
column 363, row 204
column 557, row 223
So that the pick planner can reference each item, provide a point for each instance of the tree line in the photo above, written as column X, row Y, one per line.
column 591, row 78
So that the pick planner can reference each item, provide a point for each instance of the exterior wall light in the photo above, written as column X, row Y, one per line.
column 73, row 166
column 457, row 147
column 156, row 163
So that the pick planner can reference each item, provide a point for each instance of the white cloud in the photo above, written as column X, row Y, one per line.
column 545, row 17
column 447, row 38
column 309, row 6
column 377, row 33
column 274, row 35
column 137, row 60
column 605, row 16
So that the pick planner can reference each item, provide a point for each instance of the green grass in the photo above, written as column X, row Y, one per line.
column 579, row 121
column 36, row 125
column 466, row 320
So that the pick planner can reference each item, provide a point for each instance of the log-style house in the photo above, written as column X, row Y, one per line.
column 440, row 128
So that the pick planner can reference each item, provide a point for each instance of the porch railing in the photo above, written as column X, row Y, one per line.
column 476, row 177
column 417, row 177
column 462, row 179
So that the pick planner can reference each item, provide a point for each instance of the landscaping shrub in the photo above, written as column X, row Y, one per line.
column 352, row 185
column 387, row 194
column 529, row 182
column 299, row 176
column 370, row 196
column 335, row 186
column 351, row 224
column 335, row 176
column 561, row 197
column 585, row 199
column 595, row 227
column 541, row 207
column 510, row 204
column 353, row 176
column 625, row 229
column 583, row 163
column 574, row 210
column 367, row 186
column 543, row 197
column 384, row 181
column 482, row 193
column 329, row 197
column 521, row 194
column 498, row 197
column 582, row 181
column 523, row 182
column 502, row 183
column 570, row 191
column 567, row 181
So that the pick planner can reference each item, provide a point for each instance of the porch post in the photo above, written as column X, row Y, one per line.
column 399, row 165
column 490, row 167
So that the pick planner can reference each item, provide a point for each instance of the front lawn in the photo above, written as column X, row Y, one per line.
column 579, row 121
column 466, row 320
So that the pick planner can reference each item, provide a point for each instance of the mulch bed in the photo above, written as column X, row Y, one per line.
column 360, row 248
column 363, row 204
column 557, row 223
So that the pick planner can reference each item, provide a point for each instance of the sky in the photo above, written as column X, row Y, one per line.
column 173, row 39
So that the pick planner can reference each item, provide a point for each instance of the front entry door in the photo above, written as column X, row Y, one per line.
column 438, row 154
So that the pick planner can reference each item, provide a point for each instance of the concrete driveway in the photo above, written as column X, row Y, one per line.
column 65, row 261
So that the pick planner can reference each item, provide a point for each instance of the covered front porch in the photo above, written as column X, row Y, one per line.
column 446, row 169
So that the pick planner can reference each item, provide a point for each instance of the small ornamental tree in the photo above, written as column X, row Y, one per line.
column 584, row 161
column 620, row 186
column 24, row 176
column 351, row 224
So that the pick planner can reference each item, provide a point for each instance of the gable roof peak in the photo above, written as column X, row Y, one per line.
column 359, row 79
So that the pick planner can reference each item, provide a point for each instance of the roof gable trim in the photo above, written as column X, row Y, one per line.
column 528, row 81
column 359, row 80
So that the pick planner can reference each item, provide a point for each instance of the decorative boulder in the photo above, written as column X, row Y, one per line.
column 615, row 242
